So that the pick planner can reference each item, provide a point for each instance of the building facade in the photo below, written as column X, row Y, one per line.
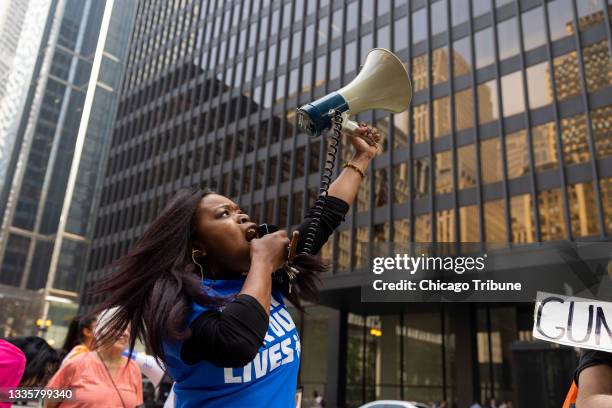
column 507, row 141
column 63, row 131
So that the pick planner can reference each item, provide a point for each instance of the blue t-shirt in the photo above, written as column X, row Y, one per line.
column 269, row 381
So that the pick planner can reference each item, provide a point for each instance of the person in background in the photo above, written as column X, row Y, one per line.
column 101, row 377
column 12, row 365
column 42, row 361
column 476, row 404
column 79, row 338
column 318, row 399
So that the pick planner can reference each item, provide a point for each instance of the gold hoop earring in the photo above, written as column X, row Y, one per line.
column 193, row 252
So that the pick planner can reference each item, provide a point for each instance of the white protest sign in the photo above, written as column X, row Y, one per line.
column 573, row 321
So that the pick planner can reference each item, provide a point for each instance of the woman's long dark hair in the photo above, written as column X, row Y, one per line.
column 154, row 284
column 42, row 361
column 75, row 336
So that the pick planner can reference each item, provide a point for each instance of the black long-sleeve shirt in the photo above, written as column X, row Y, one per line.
column 232, row 337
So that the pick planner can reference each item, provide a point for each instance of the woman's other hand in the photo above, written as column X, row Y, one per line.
column 366, row 140
column 271, row 249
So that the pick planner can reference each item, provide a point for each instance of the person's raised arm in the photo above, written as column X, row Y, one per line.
column 595, row 387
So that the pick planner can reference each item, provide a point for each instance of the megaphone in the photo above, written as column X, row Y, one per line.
column 382, row 83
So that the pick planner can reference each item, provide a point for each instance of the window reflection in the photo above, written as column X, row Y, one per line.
column 490, row 163
column 550, row 208
column 363, row 195
column 469, row 224
column 400, row 33
column 508, row 38
column 381, row 188
column 438, row 17
column 567, row 79
column 350, row 57
column 380, row 232
column 464, row 109
column 400, row 183
column 583, row 210
column 367, row 11
column 422, row 228
column 544, row 146
column 534, row 32
column 513, row 101
column 420, row 119
column 419, row 25
column 401, row 231
column 459, row 11
column 480, row 7
column 400, row 136
column 574, row 140
column 444, row 172
column 461, row 57
column 420, row 172
column 601, row 123
column 344, row 245
column 441, row 116
column 439, row 65
column 517, row 154
column 590, row 13
column 605, row 187
column 488, row 109
column 560, row 19
column 494, row 221
column 336, row 25
column 521, row 216
column 419, row 72
column 361, row 242
column 445, row 226
column 484, row 47
column 538, row 85
column 466, row 166
column 351, row 15
column 597, row 66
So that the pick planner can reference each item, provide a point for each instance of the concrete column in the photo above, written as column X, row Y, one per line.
column 336, row 359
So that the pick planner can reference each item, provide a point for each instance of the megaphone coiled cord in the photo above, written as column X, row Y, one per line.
column 326, row 178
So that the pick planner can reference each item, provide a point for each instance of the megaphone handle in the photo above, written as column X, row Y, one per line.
column 350, row 125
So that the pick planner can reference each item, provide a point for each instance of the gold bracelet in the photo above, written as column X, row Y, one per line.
column 357, row 169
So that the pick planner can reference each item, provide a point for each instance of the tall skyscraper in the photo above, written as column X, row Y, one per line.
column 64, row 132
column 506, row 142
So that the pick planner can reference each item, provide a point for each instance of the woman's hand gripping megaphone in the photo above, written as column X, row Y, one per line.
column 366, row 140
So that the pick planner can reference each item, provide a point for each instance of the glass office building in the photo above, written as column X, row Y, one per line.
column 508, row 140
column 63, row 133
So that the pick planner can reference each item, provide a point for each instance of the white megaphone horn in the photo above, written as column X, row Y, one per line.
column 382, row 83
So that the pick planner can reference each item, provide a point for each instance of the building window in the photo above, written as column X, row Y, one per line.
column 590, row 13
column 419, row 25
column 597, row 66
column 401, row 231
column 441, row 116
column 544, row 146
column 522, row 221
column 466, row 166
column 560, row 19
column 438, row 17
column 567, row 79
column 517, row 154
column 439, row 65
column 381, row 232
column 601, row 122
column 420, row 119
column 490, row 163
column 508, row 38
column 381, row 186
column 464, row 110
column 606, row 202
column 344, row 245
column 484, row 47
column 400, row 34
column 445, row 226
column 513, row 100
column 420, row 177
column 444, row 172
column 400, row 183
column 538, row 85
column 494, row 222
column 574, row 140
column 583, row 210
column 361, row 251
column 461, row 57
column 401, row 129
column 550, row 209
column 419, row 72
column 488, row 108
column 460, row 11
column 363, row 195
column 469, row 223
column 422, row 228
column 534, row 33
